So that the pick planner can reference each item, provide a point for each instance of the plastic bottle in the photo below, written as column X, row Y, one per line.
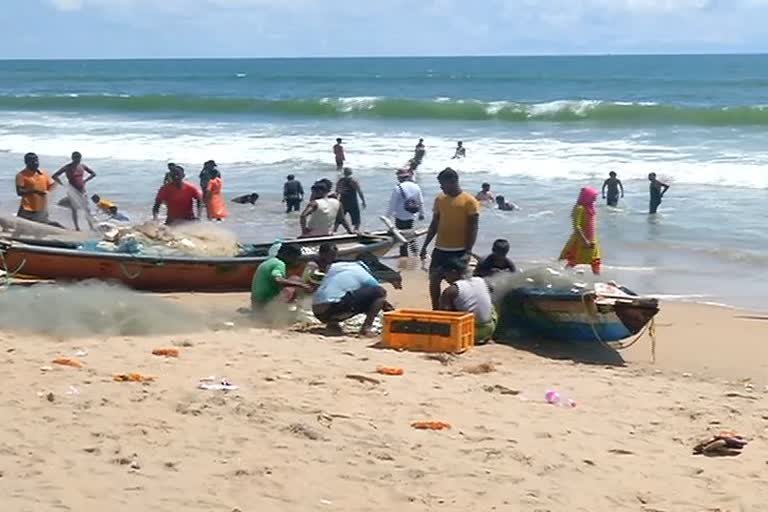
column 553, row 397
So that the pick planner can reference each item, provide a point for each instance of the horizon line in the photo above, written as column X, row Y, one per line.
column 352, row 57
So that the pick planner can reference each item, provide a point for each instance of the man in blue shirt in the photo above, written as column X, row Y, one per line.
column 349, row 289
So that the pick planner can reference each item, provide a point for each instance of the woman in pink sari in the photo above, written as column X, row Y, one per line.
column 582, row 247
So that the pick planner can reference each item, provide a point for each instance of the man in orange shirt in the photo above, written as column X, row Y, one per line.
column 179, row 197
column 32, row 186
column 455, row 222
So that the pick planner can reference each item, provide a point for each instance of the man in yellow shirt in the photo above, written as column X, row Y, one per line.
column 455, row 221
column 32, row 186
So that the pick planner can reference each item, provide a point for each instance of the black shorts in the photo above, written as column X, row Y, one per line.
column 293, row 204
column 613, row 201
column 352, row 304
column 353, row 209
column 440, row 257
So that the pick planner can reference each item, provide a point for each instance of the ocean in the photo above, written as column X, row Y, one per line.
column 536, row 128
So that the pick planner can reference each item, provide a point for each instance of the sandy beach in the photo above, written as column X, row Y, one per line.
column 299, row 434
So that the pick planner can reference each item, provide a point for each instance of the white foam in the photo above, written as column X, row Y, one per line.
column 544, row 156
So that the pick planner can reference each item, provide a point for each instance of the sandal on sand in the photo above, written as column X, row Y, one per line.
column 724, row 443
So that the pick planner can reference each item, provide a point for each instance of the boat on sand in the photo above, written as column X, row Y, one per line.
column 61, row 260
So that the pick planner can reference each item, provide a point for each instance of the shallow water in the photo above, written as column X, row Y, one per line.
column 536, row 128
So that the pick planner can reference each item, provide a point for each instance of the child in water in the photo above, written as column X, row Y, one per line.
column 497, row 261
column 504, row 205
column 110, row 208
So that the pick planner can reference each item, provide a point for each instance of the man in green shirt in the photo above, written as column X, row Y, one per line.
column 270, row 277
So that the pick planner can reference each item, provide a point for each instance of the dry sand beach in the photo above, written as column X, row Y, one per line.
column 299, row 434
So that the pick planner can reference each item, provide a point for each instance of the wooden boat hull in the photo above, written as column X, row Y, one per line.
column 172, row 274
column 572, row 316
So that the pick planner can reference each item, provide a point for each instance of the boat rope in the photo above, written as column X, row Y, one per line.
column 7, row 275
column 650, row 327
column 128, row 274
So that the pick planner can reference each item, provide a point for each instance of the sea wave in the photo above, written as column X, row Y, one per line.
column 562, row 111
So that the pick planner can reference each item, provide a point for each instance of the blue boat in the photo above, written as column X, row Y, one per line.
column 606, row 314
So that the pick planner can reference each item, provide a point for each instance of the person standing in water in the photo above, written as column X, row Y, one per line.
column 180, row 198
column 613, row 184
column 461, row 151
column 322, row 214
column 348, row 190
column 338, row 153
column 418, row 154
column 32, row 186
column 75, row 172
column 455, row 222
column 657, row 190
column 214, row 199
column 582, row 247
column 293, row 194
column 206, row 174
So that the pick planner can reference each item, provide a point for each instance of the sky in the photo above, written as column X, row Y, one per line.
column 47, row 29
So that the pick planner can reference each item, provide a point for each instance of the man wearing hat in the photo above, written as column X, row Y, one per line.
column 405, row 203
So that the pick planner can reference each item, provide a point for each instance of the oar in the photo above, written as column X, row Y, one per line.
column 392, row 229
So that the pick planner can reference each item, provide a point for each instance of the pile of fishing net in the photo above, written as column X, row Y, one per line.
column 150, row 239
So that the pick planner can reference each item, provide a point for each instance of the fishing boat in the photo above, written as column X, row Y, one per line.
column 66, row 261
column 606, row 313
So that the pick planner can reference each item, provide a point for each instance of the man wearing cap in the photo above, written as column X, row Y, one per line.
column 405, row 203
column 32, row 186
column 180, row 198
column 455, row 222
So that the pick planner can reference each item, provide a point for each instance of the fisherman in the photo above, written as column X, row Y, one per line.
column 75, row 172
column 322, row 214
column 347, row 290
column 470, row 294
column 32, row 186
column 180, row 198
column 405, row 203
column 348, row 190
column 455, row 222
column 293, row 194
column 271, row 277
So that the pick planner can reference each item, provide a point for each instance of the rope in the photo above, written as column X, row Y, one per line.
column 8, row 276
column 650, row 327
column 127, row 274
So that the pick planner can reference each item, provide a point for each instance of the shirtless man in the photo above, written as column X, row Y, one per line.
column 461, row 151
column 75, row 172
column 338, row 153
column 613, row 184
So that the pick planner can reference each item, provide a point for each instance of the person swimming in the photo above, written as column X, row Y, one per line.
column 246, row 199
column 504, row 205
column 461, row 151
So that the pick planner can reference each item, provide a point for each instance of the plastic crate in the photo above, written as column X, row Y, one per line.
column 429, row 331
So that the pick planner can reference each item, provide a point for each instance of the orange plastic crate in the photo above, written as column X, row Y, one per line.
column 429, row 331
